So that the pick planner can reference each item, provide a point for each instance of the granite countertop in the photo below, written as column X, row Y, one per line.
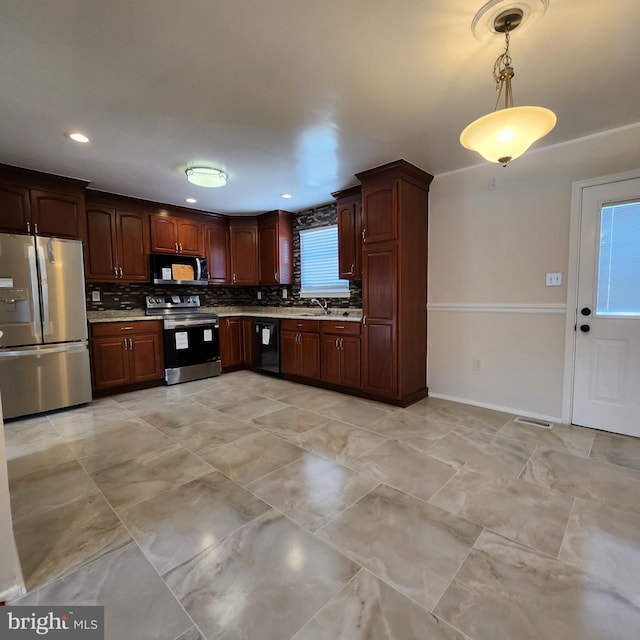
column 297, row 313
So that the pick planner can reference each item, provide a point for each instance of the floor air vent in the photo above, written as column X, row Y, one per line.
column 532, row 422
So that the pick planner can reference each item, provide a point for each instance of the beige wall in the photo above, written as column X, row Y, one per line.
column 489, row 250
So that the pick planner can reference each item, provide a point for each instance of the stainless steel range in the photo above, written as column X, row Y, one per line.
column 191, row 340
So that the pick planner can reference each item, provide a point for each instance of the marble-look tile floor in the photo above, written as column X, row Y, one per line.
column 245, row 507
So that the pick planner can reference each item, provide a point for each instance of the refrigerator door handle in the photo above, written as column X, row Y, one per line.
column 18, row 353
column 35, row 293
column 44, row 285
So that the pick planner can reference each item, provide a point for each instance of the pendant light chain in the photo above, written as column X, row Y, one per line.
column 503, row 72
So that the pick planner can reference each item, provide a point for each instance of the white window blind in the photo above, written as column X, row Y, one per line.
column 619, row 260
column 319, row 264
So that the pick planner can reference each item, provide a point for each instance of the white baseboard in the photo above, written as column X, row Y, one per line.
column 495, row 407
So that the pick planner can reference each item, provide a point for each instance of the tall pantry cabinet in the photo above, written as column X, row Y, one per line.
column 394, row 281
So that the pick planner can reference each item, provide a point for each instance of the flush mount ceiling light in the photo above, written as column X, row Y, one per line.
column 509, row 131
column 206, row 176
column 76, row 136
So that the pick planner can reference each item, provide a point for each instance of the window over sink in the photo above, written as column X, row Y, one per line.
column 319, row 264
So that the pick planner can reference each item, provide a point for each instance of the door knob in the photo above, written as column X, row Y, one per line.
column 585, row 328
column 585, row 311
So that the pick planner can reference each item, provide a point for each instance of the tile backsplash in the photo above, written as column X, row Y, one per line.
column 116, row 296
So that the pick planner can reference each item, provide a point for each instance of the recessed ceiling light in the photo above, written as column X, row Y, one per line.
column 76, row 136
column 190, row 200
column 206, row 176
column 286, row 196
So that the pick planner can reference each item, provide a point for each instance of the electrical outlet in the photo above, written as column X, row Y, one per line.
column 259, row 295
column 95, row 296
column 493, row 183
column 285, row 293
column 477, row 364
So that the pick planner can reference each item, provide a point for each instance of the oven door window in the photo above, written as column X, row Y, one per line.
column 190, row 345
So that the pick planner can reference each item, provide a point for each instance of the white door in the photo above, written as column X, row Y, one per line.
column 606, row 391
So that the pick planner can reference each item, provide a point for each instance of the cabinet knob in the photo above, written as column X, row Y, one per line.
column 28, row 226
column 353, row 269
column 35, row 228
column 364, row 235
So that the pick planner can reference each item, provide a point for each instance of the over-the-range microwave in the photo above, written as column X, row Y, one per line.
column 184, row 270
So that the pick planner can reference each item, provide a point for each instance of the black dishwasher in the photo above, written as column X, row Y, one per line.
column 267, row 337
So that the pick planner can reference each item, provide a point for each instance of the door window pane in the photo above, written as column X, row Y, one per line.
column 619, row 260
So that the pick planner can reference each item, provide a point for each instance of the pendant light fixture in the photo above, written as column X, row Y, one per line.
column 509, row 131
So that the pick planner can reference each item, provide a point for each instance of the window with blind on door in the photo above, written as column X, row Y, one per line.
column 319, row 264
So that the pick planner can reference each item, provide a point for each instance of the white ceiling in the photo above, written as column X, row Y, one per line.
column 289, row 95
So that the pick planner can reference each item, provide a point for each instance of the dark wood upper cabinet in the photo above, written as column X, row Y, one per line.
column 349, row 212
column 101, row 260
column 40, row 212
column 15, row 209
column 57, row 214
column 132, row 236
column 117, row 245
column 394, row 281
column 243, row 238
column 275, row 248
column 217, row 251
column 380, row 213
column 172, row 234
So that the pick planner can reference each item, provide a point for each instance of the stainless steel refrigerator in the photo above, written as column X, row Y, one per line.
column 44, row 355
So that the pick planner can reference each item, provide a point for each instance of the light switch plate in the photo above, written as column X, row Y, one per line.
column 95, row 296
column 554, row 279
column 285, row 294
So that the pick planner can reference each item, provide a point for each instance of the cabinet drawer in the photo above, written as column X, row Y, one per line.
column 312, row 326
column 336, row 327
column 125, row 328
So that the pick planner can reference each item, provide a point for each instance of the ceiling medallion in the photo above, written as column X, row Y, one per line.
column 483, row 23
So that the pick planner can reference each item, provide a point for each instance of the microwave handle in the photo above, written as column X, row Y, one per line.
column 198, row 269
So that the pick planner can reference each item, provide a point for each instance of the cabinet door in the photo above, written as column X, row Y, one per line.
column 132, row 234
column 350, row 241
column 230, row 342
column 57, row 214
column 109, row 362
column 268, row 254
column 101, row 254
column 330, row 359
column 350, row 353
column 217, row 252
column 190, row 237
column 164, row 234
column 380, row 213
column 309, row 345
column 145, row 358
column 244, row 248
column 15, row 210
column 248, row 342
column 289, row 353
column 379, row 297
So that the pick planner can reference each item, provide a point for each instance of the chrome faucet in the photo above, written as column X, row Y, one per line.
column 324, row 305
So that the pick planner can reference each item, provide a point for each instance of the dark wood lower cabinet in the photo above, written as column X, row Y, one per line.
column 340, row 354
column 237, row 343
column 300, row 348
column 126, row 353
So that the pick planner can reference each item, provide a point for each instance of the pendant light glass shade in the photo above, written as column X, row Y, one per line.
column 506, row 134
column 206, row 176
